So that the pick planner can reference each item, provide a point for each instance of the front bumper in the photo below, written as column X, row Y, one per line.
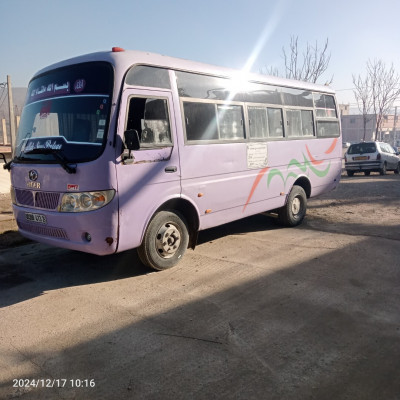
column 71, row 230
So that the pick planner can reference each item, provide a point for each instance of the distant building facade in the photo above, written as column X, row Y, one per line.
column 344, row 109
column 390, row 131
column 353, row 129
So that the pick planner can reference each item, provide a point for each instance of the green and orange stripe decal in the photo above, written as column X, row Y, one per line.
column 308, row 163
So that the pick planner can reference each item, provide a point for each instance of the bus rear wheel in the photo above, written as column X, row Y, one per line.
column 165, row 241
column 294, row 211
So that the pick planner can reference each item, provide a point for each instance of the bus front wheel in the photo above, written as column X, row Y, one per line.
column 165, row 240
column 294, row 211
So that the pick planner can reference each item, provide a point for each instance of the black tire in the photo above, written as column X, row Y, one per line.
column 350, row 173
column 165, row 241
column 382, row 171
column 397, row 170
column 294, row 211
column 367, row 173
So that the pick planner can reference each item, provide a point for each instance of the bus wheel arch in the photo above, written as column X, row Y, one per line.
column 295, row 208
column 171, row 230
column 189, row 212
column 305, row 183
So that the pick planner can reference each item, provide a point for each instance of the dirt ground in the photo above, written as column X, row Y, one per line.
column 9, row 236
column 362, row 205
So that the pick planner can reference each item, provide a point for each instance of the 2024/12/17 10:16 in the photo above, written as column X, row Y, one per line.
column 51, row 383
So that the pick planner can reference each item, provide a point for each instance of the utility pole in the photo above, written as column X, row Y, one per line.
column 394, row 127
column 11, row 112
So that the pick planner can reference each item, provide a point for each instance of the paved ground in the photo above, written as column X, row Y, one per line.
column 255, row 312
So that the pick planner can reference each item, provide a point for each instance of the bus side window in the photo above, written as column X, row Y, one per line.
column 275, row 122
column 230, row 121
column 258, row 122
column 201, row 121
column 325, row 105
column 150, row 117
column 300, row 123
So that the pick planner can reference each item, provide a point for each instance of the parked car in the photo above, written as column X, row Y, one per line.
column 371, row 156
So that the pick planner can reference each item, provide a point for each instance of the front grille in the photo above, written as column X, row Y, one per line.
column 43, row 230
column 24, row 197
column 30, row 198
column 47, row 200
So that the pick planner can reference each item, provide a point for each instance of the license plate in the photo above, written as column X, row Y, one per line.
column 41, row 219
column 360, row 158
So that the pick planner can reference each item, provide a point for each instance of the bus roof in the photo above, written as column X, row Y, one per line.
column 122, row 60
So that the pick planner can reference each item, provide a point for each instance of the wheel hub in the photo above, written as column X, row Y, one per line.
column 168, row 240
column 296, row 205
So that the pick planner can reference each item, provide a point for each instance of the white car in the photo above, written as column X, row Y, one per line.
column 368, row 157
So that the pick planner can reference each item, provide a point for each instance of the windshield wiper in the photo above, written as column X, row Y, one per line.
column 7, row 165
column 70, row 168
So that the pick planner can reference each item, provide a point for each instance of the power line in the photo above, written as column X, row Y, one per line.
column 353, row 88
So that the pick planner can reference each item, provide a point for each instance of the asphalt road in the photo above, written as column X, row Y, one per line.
column 255, row 312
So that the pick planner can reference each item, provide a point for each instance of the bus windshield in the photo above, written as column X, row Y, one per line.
column 66, row 110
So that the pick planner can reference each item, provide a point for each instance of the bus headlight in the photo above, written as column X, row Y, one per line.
column 85, row 201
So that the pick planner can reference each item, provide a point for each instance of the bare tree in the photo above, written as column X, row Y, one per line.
column 385, row 89
column 363, row 95
column 307, row 66
column 311, row 65
column 376, row 92
column 273, row 71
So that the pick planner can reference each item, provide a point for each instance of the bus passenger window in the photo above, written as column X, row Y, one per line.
column 325, row 105
column 143, row 75
column 258, row 122
column 293, row 123
column 307, row 123
column 275, row 122
column 300, row 123
column 230, row 122
column 149, row 116
column 201, row 121
column 328, row 129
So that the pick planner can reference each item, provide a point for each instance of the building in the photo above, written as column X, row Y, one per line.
column 390, row 130
column 344, row 109
column 353, row 129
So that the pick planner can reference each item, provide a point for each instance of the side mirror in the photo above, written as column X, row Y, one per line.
column 132, row 141
column 7, row 165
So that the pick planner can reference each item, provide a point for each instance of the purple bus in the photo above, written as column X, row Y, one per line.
column 124, row 149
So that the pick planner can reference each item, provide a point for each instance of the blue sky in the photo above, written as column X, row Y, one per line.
column 237, row 34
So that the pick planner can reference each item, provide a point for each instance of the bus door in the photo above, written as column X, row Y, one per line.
column 151, row 175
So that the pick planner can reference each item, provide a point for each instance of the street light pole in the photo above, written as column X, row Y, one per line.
column 394, row 127
column 11, row 112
